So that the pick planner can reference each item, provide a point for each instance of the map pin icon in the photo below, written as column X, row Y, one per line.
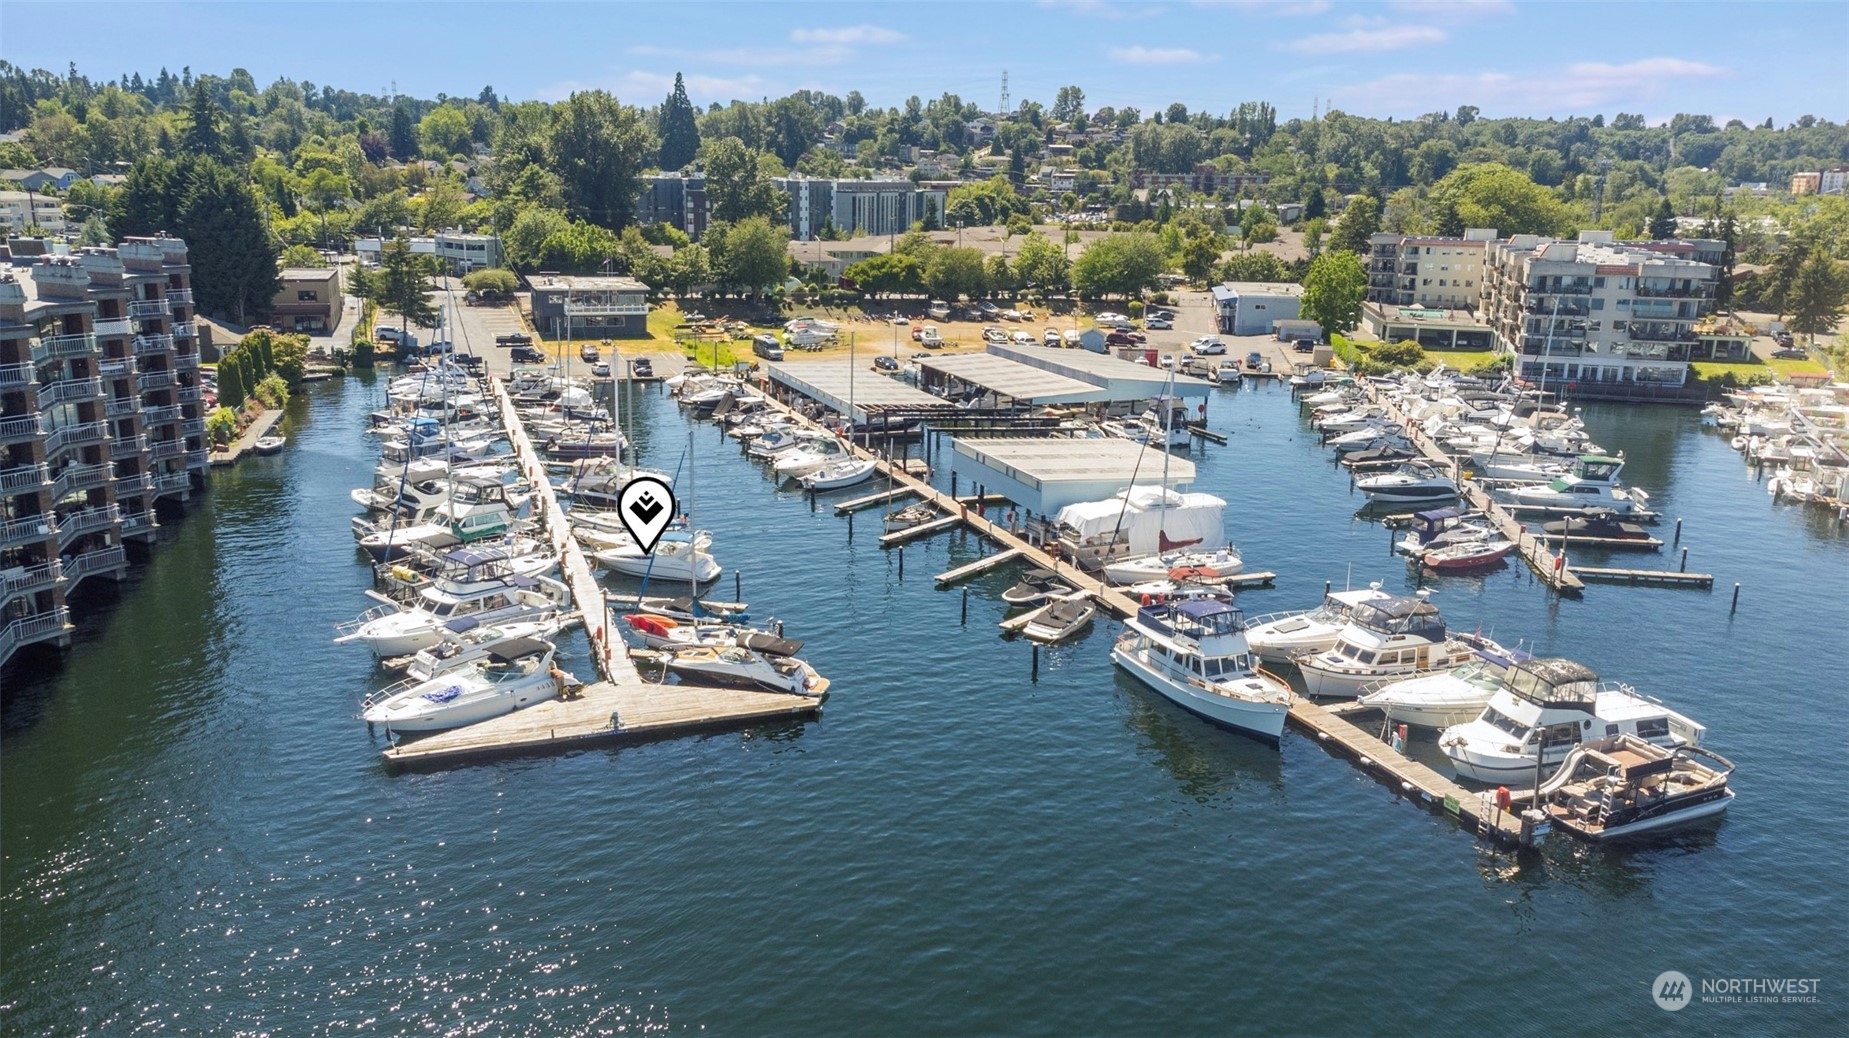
column 646, row 506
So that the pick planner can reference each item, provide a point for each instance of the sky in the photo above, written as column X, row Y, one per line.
column 1398, row 58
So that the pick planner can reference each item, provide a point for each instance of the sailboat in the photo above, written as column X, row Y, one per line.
column 1167, row 560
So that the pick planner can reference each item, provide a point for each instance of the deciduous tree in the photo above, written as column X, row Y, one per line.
column 1333, row 291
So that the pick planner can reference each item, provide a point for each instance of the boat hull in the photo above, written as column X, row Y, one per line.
column 1260, row 720
column 1676, row 819
column 1281, row 640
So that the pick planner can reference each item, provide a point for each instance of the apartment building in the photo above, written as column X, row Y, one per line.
column 595, row 307
column 677, row 199
column 21, row 210
column 1602, row 314
column 459, row 252
column 100, row 419
column 1439, row 273
column 859, row 206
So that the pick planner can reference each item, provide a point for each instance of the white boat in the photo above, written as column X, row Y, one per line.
column 1142, row 520
column 911, row 515
column 1591, row 483
column 775, row 441
column 1546, row 707
column 1623, row 786
column 1386, row 638
column 1416, row 482
column 672, row 560
column 1179, row 565
column 400, row 630
column 1276, row 637
column 1441, row 699
column 739, row 667
column 1061, row 618
column 513, row 675
column 1195, row 654
column 844, row 473
column 794, row 464
column 658, row 631
column 269, row 444
column 1035, row 587
column 468, row 639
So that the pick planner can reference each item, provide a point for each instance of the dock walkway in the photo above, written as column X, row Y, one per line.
column 247, row 442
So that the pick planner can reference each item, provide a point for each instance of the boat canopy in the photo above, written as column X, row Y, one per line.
column 1437, row 516
column 473, row 557
column 1553, row 681
column 1146, row 516
column 463, row 624
column 1405, row 615
column 1195, row 618
column 517, row 649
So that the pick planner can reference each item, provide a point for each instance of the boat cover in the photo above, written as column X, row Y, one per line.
column 1147, row 515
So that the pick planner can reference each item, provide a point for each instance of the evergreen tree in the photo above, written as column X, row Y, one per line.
column 400, row 285
column 228, row 242
column 403, row 135
column 680, row 134
column 1817, row 294
column 1723, row 287
column 204, row 119
column 1663, row 222
column 598, row 146
column 230, row 383
column 1360, row 221
column 147, row 201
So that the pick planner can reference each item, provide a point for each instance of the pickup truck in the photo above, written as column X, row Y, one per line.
column 516, row 339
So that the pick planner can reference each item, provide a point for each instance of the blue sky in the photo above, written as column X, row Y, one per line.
column 1391, row 58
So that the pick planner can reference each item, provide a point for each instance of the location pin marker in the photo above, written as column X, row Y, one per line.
column 647, row 507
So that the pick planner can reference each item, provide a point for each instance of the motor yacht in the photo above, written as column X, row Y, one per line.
column 802, row 460
column 394, row 629
column 1416, row 482
column 1276, row 637
column 739, row 667
column 1386, row 638
column 1194, row 653
column 1443, row 698
column 1592, row 482
column 1544, row 708
column 838, row 474
column 677, row 561
column 504, row 679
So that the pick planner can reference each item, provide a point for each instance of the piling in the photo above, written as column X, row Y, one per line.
column 964, row 621
column 901, row 562
column 1683, row 568
column 1678, row 539
column 1736, row 599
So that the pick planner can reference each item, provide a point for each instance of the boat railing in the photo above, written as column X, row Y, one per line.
column 396, row 687
column 1266, row 618
column 353, row 625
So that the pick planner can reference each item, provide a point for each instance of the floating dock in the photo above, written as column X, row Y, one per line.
column 1670, row 577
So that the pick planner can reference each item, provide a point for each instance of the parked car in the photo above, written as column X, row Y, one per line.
column 886, row 364
column 1158, row 324
column 1782, row 337
column 1792, row 353
column 1137, row 337
column 600, row 369
column 988, row 309
column 1209, row 347
column 1304, row 346
column 1119, row 339
column 386, row 333
column 1023, row 338
column 642, row 367
column 528, row 355
column 1168, row 361
column 1254, row 360
column 767, row 347
column 468, row 360
column 588, row 353
column 1166, row 315
column 515, row 339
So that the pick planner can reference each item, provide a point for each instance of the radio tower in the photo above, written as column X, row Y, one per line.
column 1003, row 110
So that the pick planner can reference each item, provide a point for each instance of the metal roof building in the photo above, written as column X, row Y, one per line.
column 1047, row 474
column 1120, row 379
column 831, row 382
column 1012, row 382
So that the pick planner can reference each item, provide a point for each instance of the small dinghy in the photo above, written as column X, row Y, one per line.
column 269, row 444
column 1035, row 587
column 1060, row 619
column 910, row 516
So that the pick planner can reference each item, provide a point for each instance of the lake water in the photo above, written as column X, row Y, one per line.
column 199, row 837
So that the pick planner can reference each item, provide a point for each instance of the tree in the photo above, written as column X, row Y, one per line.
column 895, row 274
column 1120, row 264
column 493, row 279
column 1199, row 252
column 1663, row 221
column 231, row 250
column 230, row 384
column 1490, row 194
column 680, row 134
column 204, row 125
column 1359, row 222
column 1042, row 264
column 737, row 186
column 689, row 268
column 403, row 135
column 952, row 273
column 444, row 132
column 1254, row 266
column 1817, row 295
column 525, row 240
column 756, row 256
column 402, row 288
column 301, row 256
column 1333, row 291
column 598, row 147
column 1068, row 104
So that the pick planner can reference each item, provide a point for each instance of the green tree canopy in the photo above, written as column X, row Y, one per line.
column 1359, row 222
column 951, row 273
column 1817, row 294
column 402, row 284
column 1120, row 264
column 1042, row 264
column 1490, row 194
column 738, row 185
column 756, row 255
column 1333, row 291
column 679, row 131
column 598, row 146
column 895, row 274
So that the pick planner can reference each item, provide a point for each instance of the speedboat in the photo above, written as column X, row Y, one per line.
column 1416, row 482
column 1596, row 524
column 1180, row 565
column 739, row 667
column 800, row 461
column 1591, row 483
column 395, row 629
column 835, row 475
column 1443, row 527
column 1609, row 789
column 1035, row 587
column 1195, row 654
column 1441, row 699
column 1545, row 708
column 467, row 639
column 269, row 444
column 1386, row 638
column 1061, row 618
column 658, row 631
column 672, row 560
column 512, row 675
column 1276, row 637
column 1467, row 555
column 775, row 441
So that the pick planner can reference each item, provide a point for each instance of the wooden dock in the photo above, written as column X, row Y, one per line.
column 921, row 530
column 1415, row 780
column 881, row 498
column 247, row 442
column 979, row 566
column 1668, row 577
column 1200, row 429
column 1608, row 543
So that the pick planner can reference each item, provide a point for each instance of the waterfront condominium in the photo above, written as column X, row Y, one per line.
column 852, row 207
column 101, row 416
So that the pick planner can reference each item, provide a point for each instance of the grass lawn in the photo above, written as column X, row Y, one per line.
column 1743, row 372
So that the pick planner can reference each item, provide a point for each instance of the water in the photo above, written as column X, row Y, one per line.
column 199, row 838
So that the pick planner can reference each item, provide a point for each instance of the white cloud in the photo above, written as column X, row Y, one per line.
column 1579, row 88
column 1378, row 38
column 1141, row 55
column 1453, row 8
column 847, row 35
column 1272, row 8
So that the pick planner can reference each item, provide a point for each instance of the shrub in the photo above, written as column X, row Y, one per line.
column 221, row 425
column 362, row 353
column 1162, row 299
column 272, row 391
column 1135, row 308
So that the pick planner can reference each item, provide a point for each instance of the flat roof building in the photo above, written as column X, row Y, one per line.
column 567, row 306
column 1121, row 380
column 1255, row 307
column 1008, row 382
column 832, row 383
column 1045, row 474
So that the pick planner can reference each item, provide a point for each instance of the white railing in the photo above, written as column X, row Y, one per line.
column 120, row 406
column 52, row 347
column 139, row 524
column 24, row 427
column 99, row 518
column 100, row 561
column 71, row 435
column 133, row 486
column 142, row 309
column 117, row 367
column 79, row 477
column 113, row 327
column 189, row 393
column 193, row 426
column 166, row 449
column 73, row 389
column 161, row 415
column 185, row 361
column 173, row 483
column 179, row 297
column 31, row 528
column 22, row 477
column 15, row 374
column 185, row 330
column 155, row 380
column 156, row 343
column 21, row 581
column 606, row 309
column 198, row 460
column 28, row 629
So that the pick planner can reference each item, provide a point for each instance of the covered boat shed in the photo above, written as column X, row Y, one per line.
column 1044, row 475
column 1121, row 380
column 830, row 382
column 1010, row 381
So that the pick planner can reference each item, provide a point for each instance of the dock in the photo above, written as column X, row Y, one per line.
column 622, row 706
column 981, row 565
column 921, row 530
column 247, row 441
column 1608, row 543
column 881, row 498
column 1668, row 577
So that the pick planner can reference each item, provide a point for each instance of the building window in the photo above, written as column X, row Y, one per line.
column 306, row 296
column 1599, row 304
column 1598, row 282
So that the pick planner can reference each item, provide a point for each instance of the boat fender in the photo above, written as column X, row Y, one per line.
column 403, row 573
column 1503, row 799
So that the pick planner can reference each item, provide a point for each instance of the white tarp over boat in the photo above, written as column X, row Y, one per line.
column 1154, row 519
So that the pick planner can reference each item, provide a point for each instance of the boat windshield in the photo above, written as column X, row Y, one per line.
column 1504, row 722
column 1408, row 616
column 1554, row 682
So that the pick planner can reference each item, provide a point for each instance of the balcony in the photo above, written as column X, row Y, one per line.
column 133, row 486
column 21, row 478
column 90, row 563
column 139, row 524
column 1564, row 289
column 162, row 449
column 123, row 447
column 1535, row 347
column 173, row 483
column 185, row 330
column 189, row 394
column 117, row 367
column 197, row 461
column 75, row 435
column 179, row 297
column 161, row 415
column 89, row 520
column 35, row 628
column 147, row 309
column 15, row 375
column 157, row 343
column 1701, row 291
column 120, row 406
column 113, row 327
column 20, row 428
column 155, row 380
column 1565, row 307
column 193, row 427
column 1661, row 333
column 25, row 580
column 29, row 530
column 59, row 347
column 185, row 361
column 605, row 309
column 70, row 392
column 80, row 477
